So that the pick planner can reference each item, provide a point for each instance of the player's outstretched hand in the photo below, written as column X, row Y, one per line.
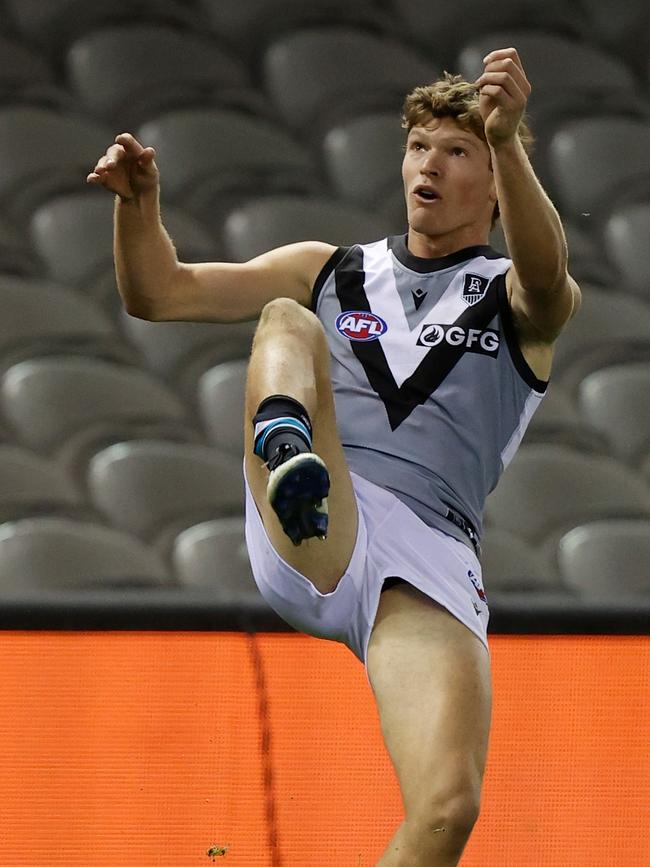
column 503, row 94
column 127, row 168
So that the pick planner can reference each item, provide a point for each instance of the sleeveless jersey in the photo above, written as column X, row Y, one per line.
column 431, row 390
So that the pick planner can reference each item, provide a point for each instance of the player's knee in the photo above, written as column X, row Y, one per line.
column 451, row 815
column 289, row 316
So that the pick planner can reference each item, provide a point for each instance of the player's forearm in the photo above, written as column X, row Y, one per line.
column 145, row 258
column 532, row 227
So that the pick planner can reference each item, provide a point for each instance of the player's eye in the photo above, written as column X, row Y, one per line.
column 458, row 151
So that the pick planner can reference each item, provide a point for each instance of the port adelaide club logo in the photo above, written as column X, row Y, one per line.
column 360, row 325
column 474, row 288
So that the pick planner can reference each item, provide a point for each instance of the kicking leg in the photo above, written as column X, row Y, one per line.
column 431, row 680
column 290, row 357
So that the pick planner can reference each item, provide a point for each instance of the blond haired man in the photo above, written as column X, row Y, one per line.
column 389, row 384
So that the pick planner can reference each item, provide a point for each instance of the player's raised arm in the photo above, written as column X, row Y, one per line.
column 155, row 285
column 541, row 291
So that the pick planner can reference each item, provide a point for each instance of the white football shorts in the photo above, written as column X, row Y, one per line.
column 392, row 542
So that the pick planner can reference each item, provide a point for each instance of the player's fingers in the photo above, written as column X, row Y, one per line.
column 499, row 95
column 146, row 157
column 508, row 65
column 130, row 144
column 500, row 81
column 502, row 54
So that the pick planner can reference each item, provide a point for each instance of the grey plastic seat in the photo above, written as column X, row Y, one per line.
column 364, row 158
column 17, row 255
column 146, row 486
column 549, row 487
column 221, row 395
column 45, row 153
column 40, row 317
column 627, row 33
column 54, row 24
column 251, row 25
column 73, row 234
column 558, row 421
column 213, row 555
column 509, row 564
column 627, row 241
column 182, row 351
column 610, row 327
column 234, row 156
column 319, row 78
column 607, row 559
column 128, row 73
column 594, row 160
column 51, row 553
column 264, row 224
column 27, row 78
column 616, row 401
column 445, row 27
column 76, row 402
column 31, row 484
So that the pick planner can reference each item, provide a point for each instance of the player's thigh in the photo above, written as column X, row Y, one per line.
column 431, row 679
column 323, row 562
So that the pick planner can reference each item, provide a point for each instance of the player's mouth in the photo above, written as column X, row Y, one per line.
column 426, row 194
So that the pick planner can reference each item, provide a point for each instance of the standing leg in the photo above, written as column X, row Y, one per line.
column 431, row 680
column 290, row 357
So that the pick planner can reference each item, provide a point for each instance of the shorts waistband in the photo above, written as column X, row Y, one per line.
column 467, row 527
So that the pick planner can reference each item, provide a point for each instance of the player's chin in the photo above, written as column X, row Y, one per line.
column 423, row 222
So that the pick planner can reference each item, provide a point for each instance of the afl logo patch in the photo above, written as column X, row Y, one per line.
column 360, row 325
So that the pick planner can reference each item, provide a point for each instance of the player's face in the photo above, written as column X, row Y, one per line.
column 448, row 180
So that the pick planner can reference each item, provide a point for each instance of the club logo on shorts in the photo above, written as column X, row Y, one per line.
column 360, row 325
column 474, row 288
column 483, row 341
column 477, row 586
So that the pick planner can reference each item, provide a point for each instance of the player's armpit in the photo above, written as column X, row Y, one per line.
column 542, row 313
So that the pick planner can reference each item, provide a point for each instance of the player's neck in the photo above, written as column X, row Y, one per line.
column 435, row 246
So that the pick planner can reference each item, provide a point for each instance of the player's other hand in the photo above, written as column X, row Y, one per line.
column 127, row 168
column 503, row 94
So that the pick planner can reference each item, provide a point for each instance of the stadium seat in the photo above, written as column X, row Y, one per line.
column 31, row 484
column 44, row 153
column 444, row 27
column 627, row 32
column 26, row 78
column 76, row 405
column 607, row 559
column 213, row 160
column 221, row 399
column 510, row 565
column 145, row 487
column 213, row 555
column 182, row 351
column 73, row 235
column 548, row 487
column 610, row 327
column 627, row 234
column 55, row 553
column 250, row 26
column 364, row 159
column 593, row 161
column 263, row 224
column 320, row 78
column 129, row 73
column 40, row 317
column 17, row 255
column 558, row 421
column 52, row 25
column 616, row 401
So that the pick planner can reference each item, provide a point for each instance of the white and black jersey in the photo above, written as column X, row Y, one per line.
column 432, row 392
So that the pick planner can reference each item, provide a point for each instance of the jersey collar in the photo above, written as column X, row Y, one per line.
column 397, row 243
